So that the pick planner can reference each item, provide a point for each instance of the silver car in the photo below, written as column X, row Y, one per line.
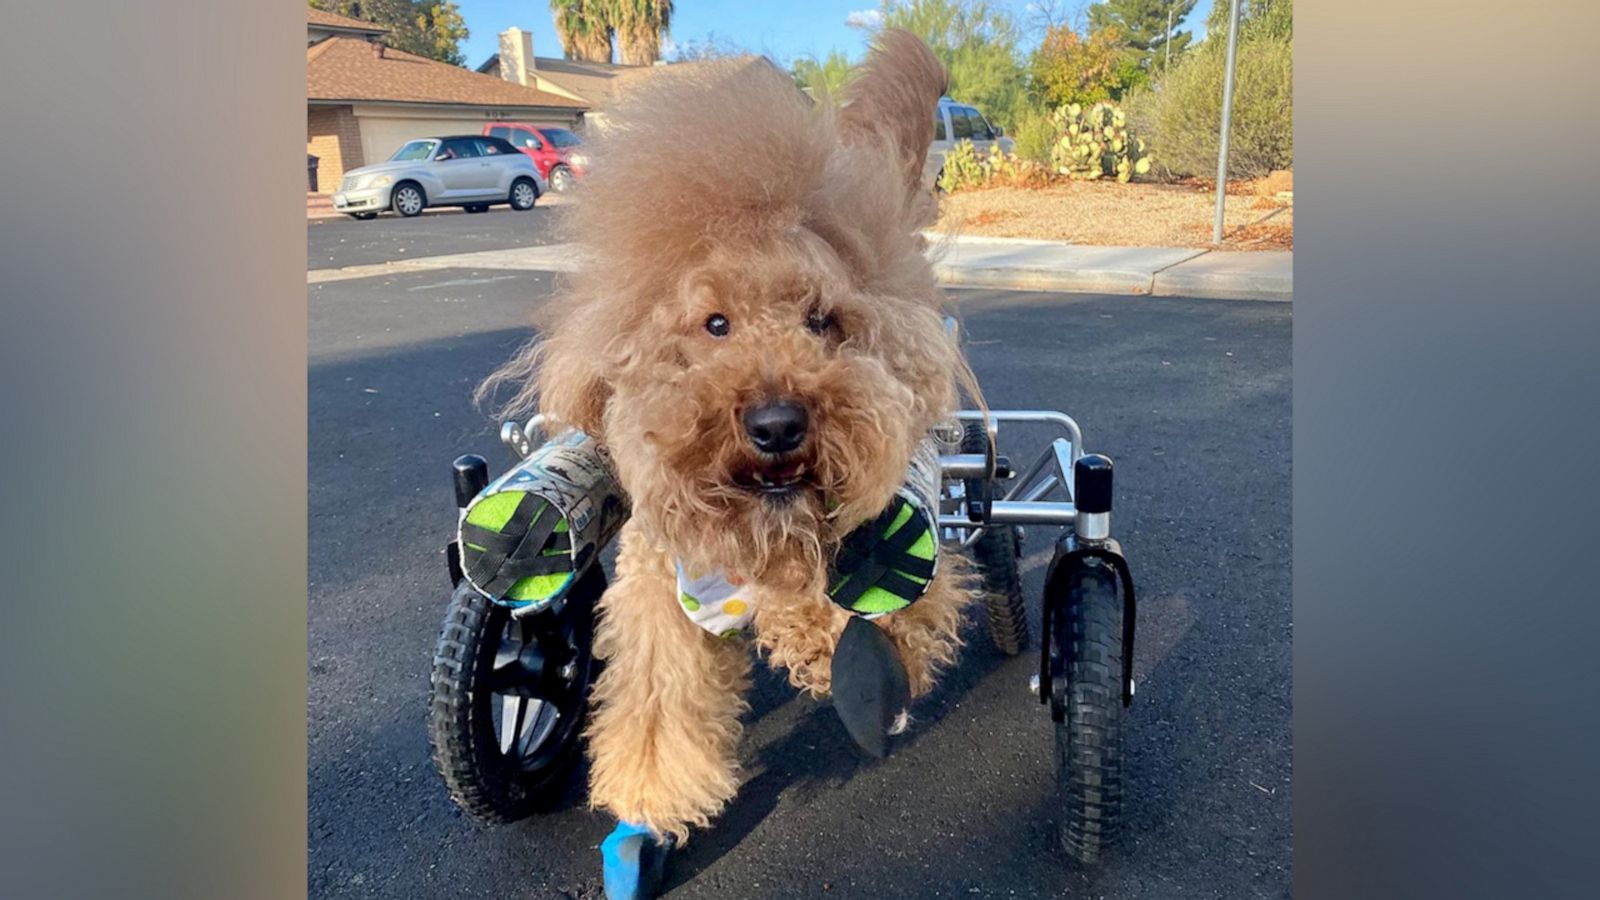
column 471, row 171
column 953, row 122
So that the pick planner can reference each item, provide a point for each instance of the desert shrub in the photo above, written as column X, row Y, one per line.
column 1035, row 135
column 1183, row 111
column 1096, row 142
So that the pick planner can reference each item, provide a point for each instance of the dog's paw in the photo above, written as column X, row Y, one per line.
column 634, row 862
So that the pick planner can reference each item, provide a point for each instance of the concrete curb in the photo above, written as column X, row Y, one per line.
column 1032, row 265
column 549, row 200
column 1230, row 275
column 977, row 263
column 1018, row 278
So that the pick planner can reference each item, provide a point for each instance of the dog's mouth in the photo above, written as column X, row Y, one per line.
column 777, row 480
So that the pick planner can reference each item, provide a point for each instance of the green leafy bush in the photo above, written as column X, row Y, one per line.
column 1182, row 112
column 1035, row 135
column 1096, row 142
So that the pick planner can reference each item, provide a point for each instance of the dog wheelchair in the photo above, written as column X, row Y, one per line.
column 511, row 678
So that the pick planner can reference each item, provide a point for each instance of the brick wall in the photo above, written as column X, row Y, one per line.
column 333, row 136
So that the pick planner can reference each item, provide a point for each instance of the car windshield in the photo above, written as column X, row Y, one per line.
column 414, row 150
column 562, row 137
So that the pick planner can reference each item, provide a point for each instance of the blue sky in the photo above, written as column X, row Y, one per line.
column 782, row 30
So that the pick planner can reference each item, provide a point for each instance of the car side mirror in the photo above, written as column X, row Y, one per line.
column 999, row 132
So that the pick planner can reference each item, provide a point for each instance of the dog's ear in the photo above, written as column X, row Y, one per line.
column 571, row 386
column 893, row 94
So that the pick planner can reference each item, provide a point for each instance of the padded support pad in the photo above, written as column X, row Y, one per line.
column 886, row 563
column 515, row 546
column 870, row 685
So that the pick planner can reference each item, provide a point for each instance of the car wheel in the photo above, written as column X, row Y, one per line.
column 477, row 207
column 524, row 193
column 560, row 179
column 408, row 200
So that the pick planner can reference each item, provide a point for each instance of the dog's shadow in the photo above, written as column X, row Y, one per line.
column 817, row 753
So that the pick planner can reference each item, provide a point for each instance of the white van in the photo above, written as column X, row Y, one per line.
column 954, row 122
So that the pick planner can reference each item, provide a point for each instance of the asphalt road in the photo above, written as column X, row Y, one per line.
column 1192, row 399
column 343, row 241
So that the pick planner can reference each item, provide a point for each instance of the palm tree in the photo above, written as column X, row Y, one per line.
column 639, row 25
column 585, row 28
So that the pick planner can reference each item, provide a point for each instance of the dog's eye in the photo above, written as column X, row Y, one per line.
column 820, row 322
column 717, row 324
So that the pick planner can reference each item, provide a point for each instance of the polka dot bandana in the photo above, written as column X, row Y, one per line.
column 714, row 602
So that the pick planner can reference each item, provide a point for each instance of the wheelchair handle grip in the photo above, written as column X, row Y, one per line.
column 1092, row 483
column 471, row 473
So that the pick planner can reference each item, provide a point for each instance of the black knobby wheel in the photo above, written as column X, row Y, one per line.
column 998, row 554
column 1086, row 669
column 509, row 699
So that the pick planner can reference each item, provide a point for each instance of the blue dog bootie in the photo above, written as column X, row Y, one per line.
column 634, row 863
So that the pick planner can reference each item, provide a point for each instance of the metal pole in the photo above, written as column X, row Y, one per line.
column 1168, row 42
column 1227, row 121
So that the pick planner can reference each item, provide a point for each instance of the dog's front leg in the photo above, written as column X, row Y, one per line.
column 927, row 634
column 665, row 728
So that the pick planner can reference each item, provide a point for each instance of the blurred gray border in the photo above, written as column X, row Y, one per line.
column 153, row 650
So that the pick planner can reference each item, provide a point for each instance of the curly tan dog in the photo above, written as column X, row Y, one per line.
column 759, row 346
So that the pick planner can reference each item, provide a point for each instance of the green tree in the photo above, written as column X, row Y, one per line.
column 1258, row 19
column 821, row 79
column 1182, row 110
column 431, row 28
column 1143, row 24
column 977, row 44
column 1066, row 68
column 639, row 26
column 585, row 28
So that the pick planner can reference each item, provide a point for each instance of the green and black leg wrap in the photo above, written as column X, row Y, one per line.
column 515, row 547
column 885, row 564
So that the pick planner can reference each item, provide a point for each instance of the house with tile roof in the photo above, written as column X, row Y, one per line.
column 598, row 85
column 594, row 83
column 365, row 99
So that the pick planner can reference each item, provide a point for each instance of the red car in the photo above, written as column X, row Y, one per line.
column 555, row 151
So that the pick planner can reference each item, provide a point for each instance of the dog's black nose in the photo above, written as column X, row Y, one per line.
column 777, row 426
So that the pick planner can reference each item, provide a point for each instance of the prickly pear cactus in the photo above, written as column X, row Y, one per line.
column 1095, row 143
column 962, row 168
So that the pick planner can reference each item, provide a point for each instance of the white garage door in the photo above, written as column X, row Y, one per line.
column 381, row 136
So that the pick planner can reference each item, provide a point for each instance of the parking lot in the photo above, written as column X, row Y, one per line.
column 1191, row 398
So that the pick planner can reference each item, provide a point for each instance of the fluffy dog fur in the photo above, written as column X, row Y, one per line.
column 798, row 222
